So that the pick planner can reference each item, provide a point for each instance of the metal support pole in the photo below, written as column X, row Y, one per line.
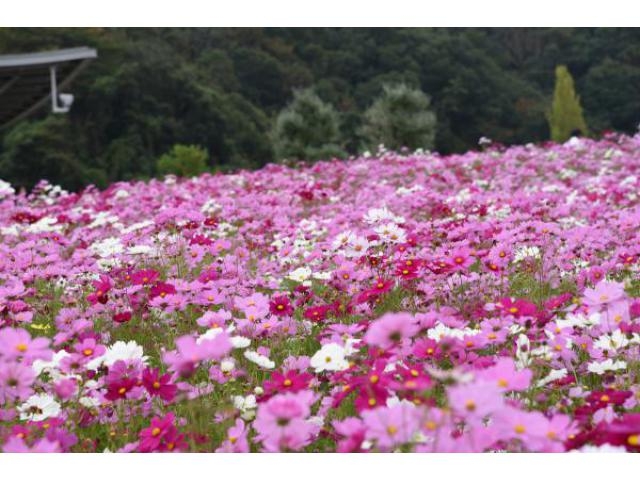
column 54, row 89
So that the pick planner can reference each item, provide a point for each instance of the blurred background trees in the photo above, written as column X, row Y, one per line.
column 307, row 129
column 184, row 160
column 400, row 118
column 223, row 90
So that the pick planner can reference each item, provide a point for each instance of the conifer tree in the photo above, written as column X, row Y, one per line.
column 307, row 129
column 400, row 117
column 565, row 117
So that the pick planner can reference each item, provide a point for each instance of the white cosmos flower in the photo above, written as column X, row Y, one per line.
column 607, row 366
column 247, row 406
column 300, row 274
column 52, row 365
column 6, row 189
column 119, row 351
column 330, row 357
column 342, row 240
column 261, row 360
column 526, row 252
column 606, row 448
column 239, row 341
column 39, row 407
column 391, row 232
column 356, row 247
column 108, row 247
column 227, row 365
column 140, row 250
column 552, row 377
column 376, row 215
column 613, row 341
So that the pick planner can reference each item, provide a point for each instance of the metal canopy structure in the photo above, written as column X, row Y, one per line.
column 28, row 81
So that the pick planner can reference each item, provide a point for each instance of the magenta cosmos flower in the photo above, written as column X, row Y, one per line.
column 390, row 329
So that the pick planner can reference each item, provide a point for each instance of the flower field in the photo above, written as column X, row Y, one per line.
column 392, row 303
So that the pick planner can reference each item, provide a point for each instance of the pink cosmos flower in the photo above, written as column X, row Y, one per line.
column 392, row 426
column 604, row 293
column 16, row 380
column 530, row 428
column 236, row 441
column 353, row 430
column 390, row 329
column 16, row 343
column 476, row 400
column 505, row 375
column 89, row 348
column 17, row 445
column 214, row 319
column 189, row 352
column 281, row 422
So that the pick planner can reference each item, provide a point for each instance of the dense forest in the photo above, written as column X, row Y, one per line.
column 222, row 89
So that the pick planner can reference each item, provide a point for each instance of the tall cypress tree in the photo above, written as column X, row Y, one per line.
column 565, row 118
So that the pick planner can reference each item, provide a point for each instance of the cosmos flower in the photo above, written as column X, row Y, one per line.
column 330, row 357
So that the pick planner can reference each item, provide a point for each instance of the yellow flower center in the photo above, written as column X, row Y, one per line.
column 372, row 402
column 287, row 383
column 470, row 405
column 156, row 385
column 503, row 383
column 21, row 347
column 633, row 440
column 374, row 378
column 392, row 429
column 519, row 429
column 155, row 432
column 122, row 390
column 605, row 398
column 87, row 352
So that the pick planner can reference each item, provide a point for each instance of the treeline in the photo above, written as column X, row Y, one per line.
column 227, row 92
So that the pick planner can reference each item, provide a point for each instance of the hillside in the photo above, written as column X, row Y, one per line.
column 222, row 88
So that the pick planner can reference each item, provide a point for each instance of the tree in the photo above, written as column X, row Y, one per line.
column 307, row 129
column 45, row 150
column 565, row 118
column 184, row 161
column 400, row 117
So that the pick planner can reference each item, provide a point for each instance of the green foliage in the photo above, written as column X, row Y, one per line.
column 566, row 116
column 44, row 149
column 184, row 161
column 400, row 117
column 307, row 129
